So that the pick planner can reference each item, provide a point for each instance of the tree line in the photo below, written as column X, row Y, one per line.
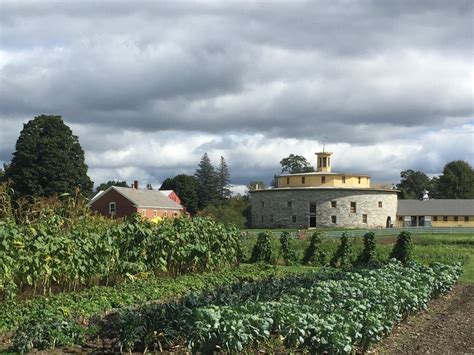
column 48, row 160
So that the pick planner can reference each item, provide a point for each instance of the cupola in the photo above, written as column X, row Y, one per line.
column 323, row 160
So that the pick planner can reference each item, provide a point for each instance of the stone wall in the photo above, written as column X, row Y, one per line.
column 290, row 208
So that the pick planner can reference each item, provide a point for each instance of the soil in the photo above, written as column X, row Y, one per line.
column 446, row 327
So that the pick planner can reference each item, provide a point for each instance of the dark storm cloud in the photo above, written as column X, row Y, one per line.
column 360, row 72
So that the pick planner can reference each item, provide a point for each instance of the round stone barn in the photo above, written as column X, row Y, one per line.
column 323, row 199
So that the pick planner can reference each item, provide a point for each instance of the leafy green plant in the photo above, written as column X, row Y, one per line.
column 402, row 249
column 341, row 257
column 64, row 254
column 368, row 254
column 262, row 251
column 328, row 311
column 286, row 251
column 314, row 254
column 47, row 332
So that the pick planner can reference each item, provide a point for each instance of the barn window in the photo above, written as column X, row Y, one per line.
column 445, row 218
column 112, row 208
column 466, row 218
column 456, row 218
column 303, row 179
column 380, row 204
column 435, row 218
column 364, row 218
column 287, row 180
column 333, row 204
column 323, row 179
column 333, row 219
column 293, row 219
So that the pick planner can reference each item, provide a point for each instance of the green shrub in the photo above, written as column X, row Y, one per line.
column 368, row 254
column 341, row 257
column 262, row 251
column 47, row 332
column 403, row 248
column 314, row 254
column 286, row 251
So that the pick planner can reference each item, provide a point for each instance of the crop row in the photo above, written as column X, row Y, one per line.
column 98, row 300
column 48, row 255
column 326, row 311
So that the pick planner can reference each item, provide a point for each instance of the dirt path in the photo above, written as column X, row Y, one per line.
column 447, row 327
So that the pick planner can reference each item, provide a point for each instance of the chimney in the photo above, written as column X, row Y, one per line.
column 135, row 184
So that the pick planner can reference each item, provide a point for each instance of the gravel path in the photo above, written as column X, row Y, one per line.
column 447, row 327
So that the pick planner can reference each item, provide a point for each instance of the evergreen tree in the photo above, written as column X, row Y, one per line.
column 207, row 182
column 48, row 159
column 186, row 187
column 223, row 180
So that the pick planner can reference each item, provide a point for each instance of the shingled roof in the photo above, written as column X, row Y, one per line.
column 435, row 208
column 147, row 198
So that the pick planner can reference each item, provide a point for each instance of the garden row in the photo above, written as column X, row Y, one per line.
column 315, row 254
column 281, row 248
column 50, row 255
column 330, row 310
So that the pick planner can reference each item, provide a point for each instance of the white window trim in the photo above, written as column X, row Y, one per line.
column 114, row 209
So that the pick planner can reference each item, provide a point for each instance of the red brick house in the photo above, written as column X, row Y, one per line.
column 125, row 201
column 172, row 195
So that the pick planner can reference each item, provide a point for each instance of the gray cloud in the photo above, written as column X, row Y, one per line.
column 125, row 74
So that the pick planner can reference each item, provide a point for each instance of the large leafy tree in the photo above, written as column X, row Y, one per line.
column 105, row 185
column 48, row 159
column 412, row 184
column 294, row 164
column 186, row 188
column 457, row 180
column 235, row 210
column 207, row 182
column 223, row 180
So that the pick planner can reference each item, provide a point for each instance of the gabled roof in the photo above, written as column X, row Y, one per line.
column 435, row 208
column 143, row 198
column 166, row 192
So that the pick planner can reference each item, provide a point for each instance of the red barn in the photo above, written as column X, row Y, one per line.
column 125, row 201
column 172, row 195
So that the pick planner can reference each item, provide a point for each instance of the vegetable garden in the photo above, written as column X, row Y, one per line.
column 69, row 278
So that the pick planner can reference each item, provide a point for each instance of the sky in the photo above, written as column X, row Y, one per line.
column 149, row 87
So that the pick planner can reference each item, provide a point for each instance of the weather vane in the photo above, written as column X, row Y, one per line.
column 324, row 143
